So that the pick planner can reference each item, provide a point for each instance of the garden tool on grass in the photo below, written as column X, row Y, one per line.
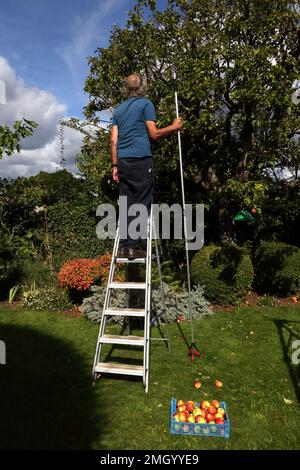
column 193, row 351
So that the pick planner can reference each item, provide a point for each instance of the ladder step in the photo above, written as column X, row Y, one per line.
column 117, row 339
column 131, row 261
column 114, row 368
column 127, row 285
column 126, row 312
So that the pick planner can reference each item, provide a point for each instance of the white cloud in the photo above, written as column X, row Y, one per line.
column 41, row 151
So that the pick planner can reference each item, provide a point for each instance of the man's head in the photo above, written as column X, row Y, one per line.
column 136, row 85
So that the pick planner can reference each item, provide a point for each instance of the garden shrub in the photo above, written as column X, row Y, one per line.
column 37, row 271
column 80, row 274
column 72, row 232
column 170, row 273
column 225, row 272
column 177, row 304
column 47, row 298
column 277, row 268
column 92, row 306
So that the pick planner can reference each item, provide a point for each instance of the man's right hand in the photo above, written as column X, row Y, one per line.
column 115, row 174
column 177, row 124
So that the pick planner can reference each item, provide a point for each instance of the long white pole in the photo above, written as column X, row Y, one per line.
column 184, row 217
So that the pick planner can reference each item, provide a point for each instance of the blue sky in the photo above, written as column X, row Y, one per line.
column 47, row 41
column 44, row 45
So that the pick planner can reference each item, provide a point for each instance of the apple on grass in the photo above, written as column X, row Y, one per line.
column 218, row 384
column 197, row 383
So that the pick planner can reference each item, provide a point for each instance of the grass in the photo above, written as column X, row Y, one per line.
column 48, row 400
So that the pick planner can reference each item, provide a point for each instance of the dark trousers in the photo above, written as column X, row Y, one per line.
column 135, row 182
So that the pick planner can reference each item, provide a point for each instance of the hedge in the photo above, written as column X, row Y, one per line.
column 225, row 272
column 277, row 268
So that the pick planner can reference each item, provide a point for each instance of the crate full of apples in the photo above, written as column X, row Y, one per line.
column 199, row 419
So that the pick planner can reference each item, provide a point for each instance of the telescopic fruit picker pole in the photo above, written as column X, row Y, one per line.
column 193, row 351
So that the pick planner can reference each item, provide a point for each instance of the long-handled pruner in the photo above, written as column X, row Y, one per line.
column 193, row 351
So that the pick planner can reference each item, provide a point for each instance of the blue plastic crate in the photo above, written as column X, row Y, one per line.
column 195, row 429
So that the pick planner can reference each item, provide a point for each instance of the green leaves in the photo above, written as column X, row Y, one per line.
column 235, row 69
column 9, row 139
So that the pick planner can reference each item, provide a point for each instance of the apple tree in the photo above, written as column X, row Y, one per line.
column 236, row 62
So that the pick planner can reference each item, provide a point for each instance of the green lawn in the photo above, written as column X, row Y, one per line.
column 48, row 400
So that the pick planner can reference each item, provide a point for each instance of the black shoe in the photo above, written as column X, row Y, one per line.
column 133, row 253
column 122, row 252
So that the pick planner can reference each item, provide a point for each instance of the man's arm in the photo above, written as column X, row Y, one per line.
column 113, row 151
column 155, row 133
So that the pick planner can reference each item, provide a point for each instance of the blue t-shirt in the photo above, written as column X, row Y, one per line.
column 130, row 117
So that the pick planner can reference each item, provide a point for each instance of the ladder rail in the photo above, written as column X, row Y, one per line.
column 143, row 371
column 106, row 299
column 148, row 301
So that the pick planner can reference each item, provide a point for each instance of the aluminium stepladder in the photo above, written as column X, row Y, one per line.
column 145, row 313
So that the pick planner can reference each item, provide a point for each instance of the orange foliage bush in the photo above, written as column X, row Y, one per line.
column 80, row 274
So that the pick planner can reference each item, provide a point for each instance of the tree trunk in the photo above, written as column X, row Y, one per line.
column 225, row 219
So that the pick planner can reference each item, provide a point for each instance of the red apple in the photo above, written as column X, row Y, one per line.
column 210, row 418
column 253, row 210
column 219, row 421
column 204, row 412
column 176, row 417
column 197, row 384
column 219, row 415
column 190, row 406
column 179, row 403
column 221, row 411
column 211, row 410
column 216, row 404
column 205, row 404
column 200, row 420
column 218, row 384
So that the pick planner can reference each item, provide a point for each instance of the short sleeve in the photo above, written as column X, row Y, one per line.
column 149, row 111
column 114, row 121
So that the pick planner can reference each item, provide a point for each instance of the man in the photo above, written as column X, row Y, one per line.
column 133, row 125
